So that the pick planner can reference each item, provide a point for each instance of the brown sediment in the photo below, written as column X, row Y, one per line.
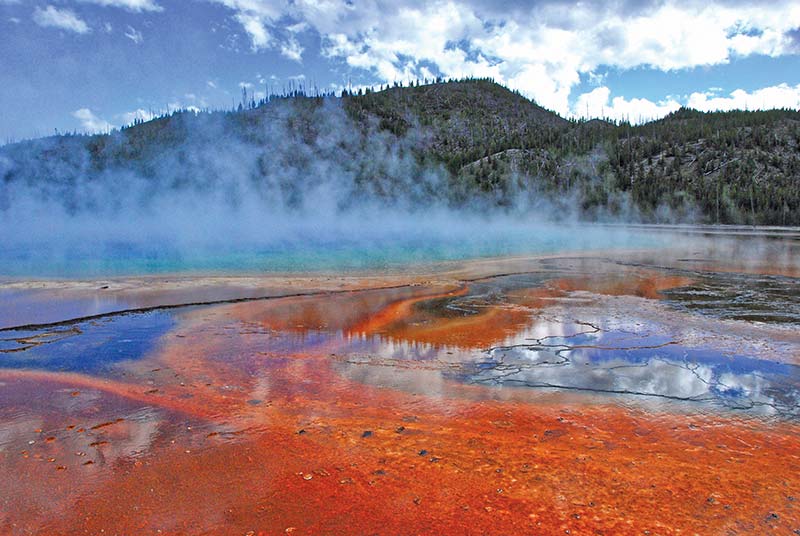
column 645, row 284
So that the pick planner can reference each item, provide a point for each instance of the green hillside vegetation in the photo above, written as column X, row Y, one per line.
column 459, row 142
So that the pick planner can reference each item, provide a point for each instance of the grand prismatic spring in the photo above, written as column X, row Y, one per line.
column 648, row 388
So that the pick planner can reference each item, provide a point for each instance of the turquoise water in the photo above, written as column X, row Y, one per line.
column 394, row 251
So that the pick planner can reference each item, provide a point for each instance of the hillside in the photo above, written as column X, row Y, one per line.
column 469, row 142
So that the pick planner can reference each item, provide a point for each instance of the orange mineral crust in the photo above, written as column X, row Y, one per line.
column 398, row 314
column 375, row 461
column 421, row 320
column 303, row 416
column 339, row 311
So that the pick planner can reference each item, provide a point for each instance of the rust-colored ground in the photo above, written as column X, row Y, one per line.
column 243, row 423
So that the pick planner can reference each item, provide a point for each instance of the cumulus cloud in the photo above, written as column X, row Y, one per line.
column 598, row 103
column 90, row 122
column 63, row 19
column 780, row 96
column 541, row 49
column 135, row 6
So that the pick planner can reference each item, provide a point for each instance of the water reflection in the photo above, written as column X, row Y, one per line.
column 496, row 392
column 90, row 346
column 592, row 356
column 523, row 330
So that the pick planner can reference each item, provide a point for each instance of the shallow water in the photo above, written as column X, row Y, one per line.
column 618, row 393
column 88, row 347
column 340, row 253
column 751, row 297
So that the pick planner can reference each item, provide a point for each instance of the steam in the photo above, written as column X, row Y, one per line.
column 214, row 185
column 304, row 178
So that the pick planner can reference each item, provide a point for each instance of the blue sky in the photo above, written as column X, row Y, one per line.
column 91, row 65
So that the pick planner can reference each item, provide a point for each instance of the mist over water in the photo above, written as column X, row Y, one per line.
column 300, row 189
column 351, row 242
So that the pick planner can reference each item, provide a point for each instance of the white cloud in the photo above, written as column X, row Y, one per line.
column 297, row 28
column 598, row 103
column 259, row 35
column 90, row 122
column 256, row 16
column 134, row 35
column 173, row 107
column 780, row 96
column 292, row 49
column 129, row 117
column 63, row 19
column 140, row 114
column 135, row 6
column 541, row 48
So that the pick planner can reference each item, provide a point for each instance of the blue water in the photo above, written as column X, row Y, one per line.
column 310, row 254
column 645, row 365
column 87, row 347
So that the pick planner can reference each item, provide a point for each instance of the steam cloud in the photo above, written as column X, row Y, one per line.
column 306, row 176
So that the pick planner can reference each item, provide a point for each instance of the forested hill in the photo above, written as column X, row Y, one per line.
column 469, row 142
